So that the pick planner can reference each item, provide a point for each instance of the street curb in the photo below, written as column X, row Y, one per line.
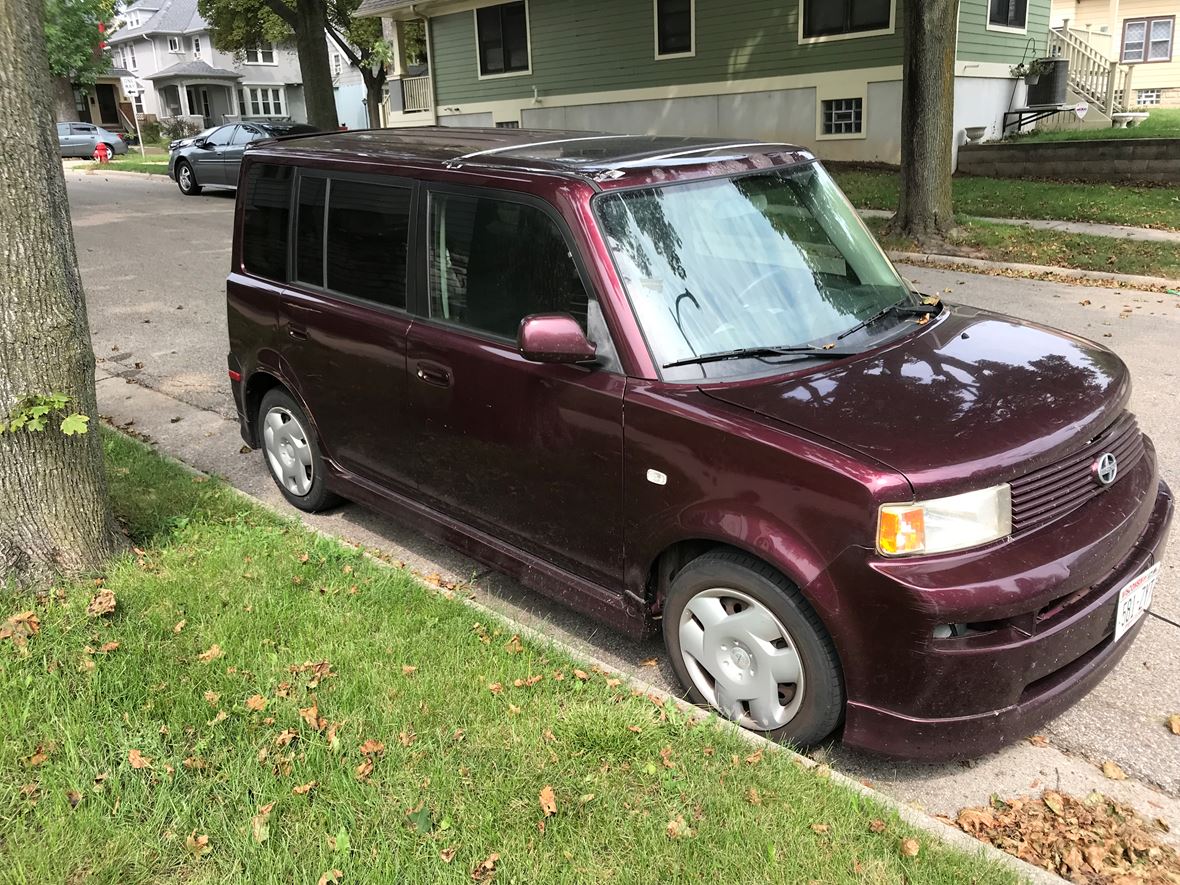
column 944, row 833
column 1039, row 271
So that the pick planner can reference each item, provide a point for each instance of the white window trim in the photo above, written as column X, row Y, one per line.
column 274, row 54
column 692, row 32
column 528, row 42
column 1004, row 29
column 835, row 92
column 248, row 111
column 197, row 45
column 831, row 38
column 174, row 44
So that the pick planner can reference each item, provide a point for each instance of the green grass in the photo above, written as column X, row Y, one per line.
column 1014, row 198
column 133, row 162
column 462, row 767
column 1162, row 123
column 1014, row 243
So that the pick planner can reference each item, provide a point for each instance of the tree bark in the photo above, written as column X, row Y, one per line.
column 374, row 96
column 54, row 514
column 310, row 20
column 924, row 210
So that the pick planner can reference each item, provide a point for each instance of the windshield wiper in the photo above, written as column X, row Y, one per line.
column 793, row 350
column 901, row 308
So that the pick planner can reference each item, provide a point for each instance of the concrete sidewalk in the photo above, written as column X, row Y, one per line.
column 1115, row 231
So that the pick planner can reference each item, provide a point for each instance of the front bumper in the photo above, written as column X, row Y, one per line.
column 1045, row 629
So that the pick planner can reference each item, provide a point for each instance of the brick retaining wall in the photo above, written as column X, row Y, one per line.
column 1143, row 160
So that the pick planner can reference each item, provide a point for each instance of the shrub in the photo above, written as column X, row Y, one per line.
column 150, row 132
column 178, row 127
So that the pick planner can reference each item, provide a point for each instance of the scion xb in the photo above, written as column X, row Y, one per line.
column 675, row 384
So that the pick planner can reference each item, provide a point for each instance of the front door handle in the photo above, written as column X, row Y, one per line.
column 433, row 373
column 297, row 332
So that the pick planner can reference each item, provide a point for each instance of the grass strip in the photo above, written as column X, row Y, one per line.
column 1015, row 243
column 268, row 705
column 1154, row 207
column 1160, row 123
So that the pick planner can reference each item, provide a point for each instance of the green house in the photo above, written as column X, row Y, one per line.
column 821, row 73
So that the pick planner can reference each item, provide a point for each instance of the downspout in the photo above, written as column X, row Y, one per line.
column 426, row 36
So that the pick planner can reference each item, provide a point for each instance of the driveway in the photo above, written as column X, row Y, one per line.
column 153, row 263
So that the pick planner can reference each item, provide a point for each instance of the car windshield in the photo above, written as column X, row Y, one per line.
column 766, row 260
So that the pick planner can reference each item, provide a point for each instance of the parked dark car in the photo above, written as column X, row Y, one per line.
column 212, row 157
column 81, row 139
column 675, row 384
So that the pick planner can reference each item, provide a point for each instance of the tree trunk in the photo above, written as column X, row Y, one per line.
column 54, row 514
column 924, row 210
column 374, row 97
column 318, row 96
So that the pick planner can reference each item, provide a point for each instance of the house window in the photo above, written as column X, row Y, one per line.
column 843, row 116
column 1144, row 97
column 196, row 45
column 137, row 101
column 1148, row 39
column 675, row 22
column 336, row 65
column 508, row 124
column 131, row 55
column 174, row 44
column 827, row 18
column 263, row 55
column 1007, row 14
column 264, row 102
column 502, row 33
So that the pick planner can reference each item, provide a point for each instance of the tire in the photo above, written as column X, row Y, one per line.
column 110, row 151
column 291, row 453
column 186, row 179
column 750, row 677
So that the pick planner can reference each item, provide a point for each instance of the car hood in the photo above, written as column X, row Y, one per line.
column 975, row 397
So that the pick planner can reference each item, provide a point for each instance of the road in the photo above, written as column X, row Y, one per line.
column 153, row 263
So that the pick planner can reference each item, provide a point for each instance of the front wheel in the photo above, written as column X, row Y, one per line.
column 186, row 181
column 744, row 641
column 292, row 453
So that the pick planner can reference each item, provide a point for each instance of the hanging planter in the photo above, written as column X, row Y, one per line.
column 1047, row 79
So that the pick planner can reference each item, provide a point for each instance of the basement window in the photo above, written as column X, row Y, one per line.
column 1146, row 97
column 843, row 116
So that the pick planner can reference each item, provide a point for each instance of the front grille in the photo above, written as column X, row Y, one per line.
column 1055, row 490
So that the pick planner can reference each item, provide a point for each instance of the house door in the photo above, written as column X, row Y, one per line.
column 198, row 103
column 108, row 107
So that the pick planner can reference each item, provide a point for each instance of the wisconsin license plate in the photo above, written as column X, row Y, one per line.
column 1134, row 600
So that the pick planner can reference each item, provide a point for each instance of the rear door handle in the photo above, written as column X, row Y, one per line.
column 297, row 332
column 433, row 373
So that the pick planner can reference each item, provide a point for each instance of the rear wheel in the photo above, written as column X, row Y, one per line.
column 292, row 453
column 185, row 180
column 744, row 641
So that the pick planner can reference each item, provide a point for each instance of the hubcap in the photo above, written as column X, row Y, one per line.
column 186, row 177
column 287, row 451
column 741, row 658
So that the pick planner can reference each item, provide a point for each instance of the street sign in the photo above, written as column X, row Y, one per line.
column 131, row 86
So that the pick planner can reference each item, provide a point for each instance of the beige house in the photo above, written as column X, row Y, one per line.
column 1140, row 33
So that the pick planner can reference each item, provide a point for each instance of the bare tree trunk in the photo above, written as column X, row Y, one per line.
column 54, row 514
column 924, row 209
column 320, row 99
column 374, row 96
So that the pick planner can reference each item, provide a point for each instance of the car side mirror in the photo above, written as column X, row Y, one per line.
column 201, row 143
column 553, row 338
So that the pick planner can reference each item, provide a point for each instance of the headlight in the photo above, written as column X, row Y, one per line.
column 943, row 524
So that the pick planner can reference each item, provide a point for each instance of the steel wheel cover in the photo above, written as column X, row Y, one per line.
column 287, row 451
column 741, row 658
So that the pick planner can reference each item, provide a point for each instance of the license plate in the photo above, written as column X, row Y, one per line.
column 1134, row 600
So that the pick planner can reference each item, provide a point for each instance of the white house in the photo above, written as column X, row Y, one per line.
column 166, row 45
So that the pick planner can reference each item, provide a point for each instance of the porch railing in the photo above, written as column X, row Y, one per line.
column 416, row 94
column 1098, row 79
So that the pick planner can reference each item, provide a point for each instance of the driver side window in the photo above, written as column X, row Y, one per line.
column 222, row 136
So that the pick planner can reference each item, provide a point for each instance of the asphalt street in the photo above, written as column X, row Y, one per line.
column 154, row 263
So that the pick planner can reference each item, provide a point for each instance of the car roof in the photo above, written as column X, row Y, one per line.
column 607, row 159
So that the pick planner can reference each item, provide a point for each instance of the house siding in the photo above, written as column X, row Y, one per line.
column 978, row 44
column 580, row 48
column 1094, row 16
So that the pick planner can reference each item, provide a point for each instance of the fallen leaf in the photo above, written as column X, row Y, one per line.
column 650, row 662
column 108, row 647
column 677, row 828
column 495, row 687
column 197, row 845
column 303, row 789
column 194, row 763
column 212, row 698
column 256, row 703
column 73, row 797
column 753, row 796
column 332, row 877
column 513, row 710
column 877, row 825
column 179, row 626
column 1054, row 802
column 213, row 652
column 613, row 683
column 582, row 675
column 372, row 747
column 755, row 757
column 547, row 734
column 285, row 737
column 486, row 868
column 821, row 829
column 20, row 627
column 311, row 715
column 1173, row 723
column 408, row 670
column 666, row 757
column 1112, row 770
column 910, row 847
column 38, row 758
column 138, row 760
column 364, row 769
column 513, row 646
column 635, row 729
column 102, row 603
column 1039, row 740
column 548, row 801
column 260, row 823
column 447, row 854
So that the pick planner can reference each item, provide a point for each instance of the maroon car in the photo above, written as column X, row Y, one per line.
column 675, row 384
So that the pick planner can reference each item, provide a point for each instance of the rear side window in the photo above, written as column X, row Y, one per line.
column 494, row 262
column 267, row 211
column 309, row 231
column 368, row 236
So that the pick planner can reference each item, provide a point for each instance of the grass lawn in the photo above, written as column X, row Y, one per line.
column 1163, row 123
column 153, row 164
column 266, row 705
column 1014, row 198
column 1014, row 243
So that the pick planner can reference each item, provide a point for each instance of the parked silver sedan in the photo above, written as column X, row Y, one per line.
column 80, row 140
column 213, row 157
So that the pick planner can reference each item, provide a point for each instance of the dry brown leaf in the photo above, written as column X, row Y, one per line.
column 138, row 760
column 613, row 683
column 38, row 758
column 102, row 603
column 179, row 626
column 877, row 825
column 303, row 789
column 73, row 797
column 635, row 729
column 650, row 662
column 311, row 715
column 582, row 675
column 260, row 823
column 666, row 757
column 447, row 854
column 107, row 647
column 212, row 698
column 1039, row 740
column 285, row 737
column 213, row 652
column 677, row 828
column 372, row 747
column 20, row 627
column 753, row 796
column 408, row 670
column 220, row 717
column 513, row 710
column 256, row 703
column 495, row 687
column 364, row 769
column 1054, row 802
column 486, row 868
column 332, row 877
column 910, row 847
column 1173, row 723
column 197, row 845
column 195, row 763
column 1111, row 769
column 547, row 734
column 513, row 646
column 755, row 757
column 548, row 801
column 821, row 829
